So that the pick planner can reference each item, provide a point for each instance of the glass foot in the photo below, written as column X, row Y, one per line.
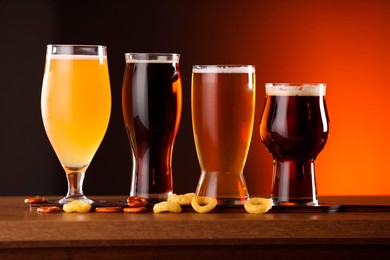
column 229, row 188
column 70, row 199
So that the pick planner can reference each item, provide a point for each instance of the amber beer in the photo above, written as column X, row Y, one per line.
column 223, row 102
column 294, row 128
column 151, row 103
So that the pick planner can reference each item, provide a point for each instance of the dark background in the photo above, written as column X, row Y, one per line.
column 29, row 165
column 342, row 43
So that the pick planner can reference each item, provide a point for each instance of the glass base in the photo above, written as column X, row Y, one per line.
column 70, row 199
column 229, row 188
column 296, row 202
column 228, row 202
column 153, row 197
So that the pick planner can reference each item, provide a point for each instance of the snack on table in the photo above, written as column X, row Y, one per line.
column 36, row 199
column 184, row 199
column 134, row 209
column 258, row 205
column 48, row 209
column 167, row 206
column 77, row 206
column 136, row 201
column 110, row 209
column 202, row 204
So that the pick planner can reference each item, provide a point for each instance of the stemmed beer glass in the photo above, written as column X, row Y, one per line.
column 76, row 107
column 294, row 127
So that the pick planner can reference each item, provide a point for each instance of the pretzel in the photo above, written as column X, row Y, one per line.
column 258, row 205
column 48, row 209
column 134, row 210
column 202, row 204
column 108, row 209
column 135, row 201
column 36, row 199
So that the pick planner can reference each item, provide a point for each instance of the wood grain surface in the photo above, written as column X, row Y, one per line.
column 228, row 233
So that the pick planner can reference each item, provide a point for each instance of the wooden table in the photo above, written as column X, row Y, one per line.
column 227, row 234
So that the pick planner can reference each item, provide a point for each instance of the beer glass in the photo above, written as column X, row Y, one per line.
column 151, row 106
column 223, row 109
column 294, row 128
column 76, row 107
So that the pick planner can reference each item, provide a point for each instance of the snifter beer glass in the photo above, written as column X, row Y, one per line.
column 151, row 105
column 223, row 109
column 294, row 128
column 76, row 107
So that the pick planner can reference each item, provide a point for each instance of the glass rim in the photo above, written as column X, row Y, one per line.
column 151, row 57
column 76, row 45
column 295, row 89
column 67, row 50
column 224, row 68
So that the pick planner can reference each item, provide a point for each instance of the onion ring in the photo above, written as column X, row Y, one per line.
column 202, row 204
column 258, row 205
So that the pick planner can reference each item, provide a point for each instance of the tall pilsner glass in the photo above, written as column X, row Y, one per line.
column 76, row 107
column 223, row 109
column 151, row 105
column 294, row 128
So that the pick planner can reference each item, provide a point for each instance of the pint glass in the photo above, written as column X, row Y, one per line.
column 151, row 104
column 294, row 128
column 223, row 108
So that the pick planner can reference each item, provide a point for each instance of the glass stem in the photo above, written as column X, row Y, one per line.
column 75, row 184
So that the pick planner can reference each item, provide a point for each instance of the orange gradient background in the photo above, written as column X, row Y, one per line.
column 345, row 44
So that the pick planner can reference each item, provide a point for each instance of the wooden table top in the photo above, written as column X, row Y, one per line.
column 22, row 228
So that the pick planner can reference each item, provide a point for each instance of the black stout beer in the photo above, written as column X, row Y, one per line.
column 151, row 104
column 294, row 128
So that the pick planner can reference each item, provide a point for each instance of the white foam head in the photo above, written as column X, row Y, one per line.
column 152, row 57
column 223, row 69
column 287, row 89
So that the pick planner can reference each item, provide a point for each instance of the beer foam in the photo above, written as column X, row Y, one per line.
column 152, row 58
column 223, row 69
column 74, row 57
column 150, row 61
column 281, row 89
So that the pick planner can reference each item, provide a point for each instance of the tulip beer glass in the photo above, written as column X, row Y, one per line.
column 223, row 109
column 76, row 107
column 294, row 128
column 151, row 105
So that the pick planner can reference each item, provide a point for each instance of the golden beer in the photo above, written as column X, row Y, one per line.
column 76, row 107
column 223, row 109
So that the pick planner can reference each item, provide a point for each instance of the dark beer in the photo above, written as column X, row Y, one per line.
column 151, row 103
column 294, row 128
